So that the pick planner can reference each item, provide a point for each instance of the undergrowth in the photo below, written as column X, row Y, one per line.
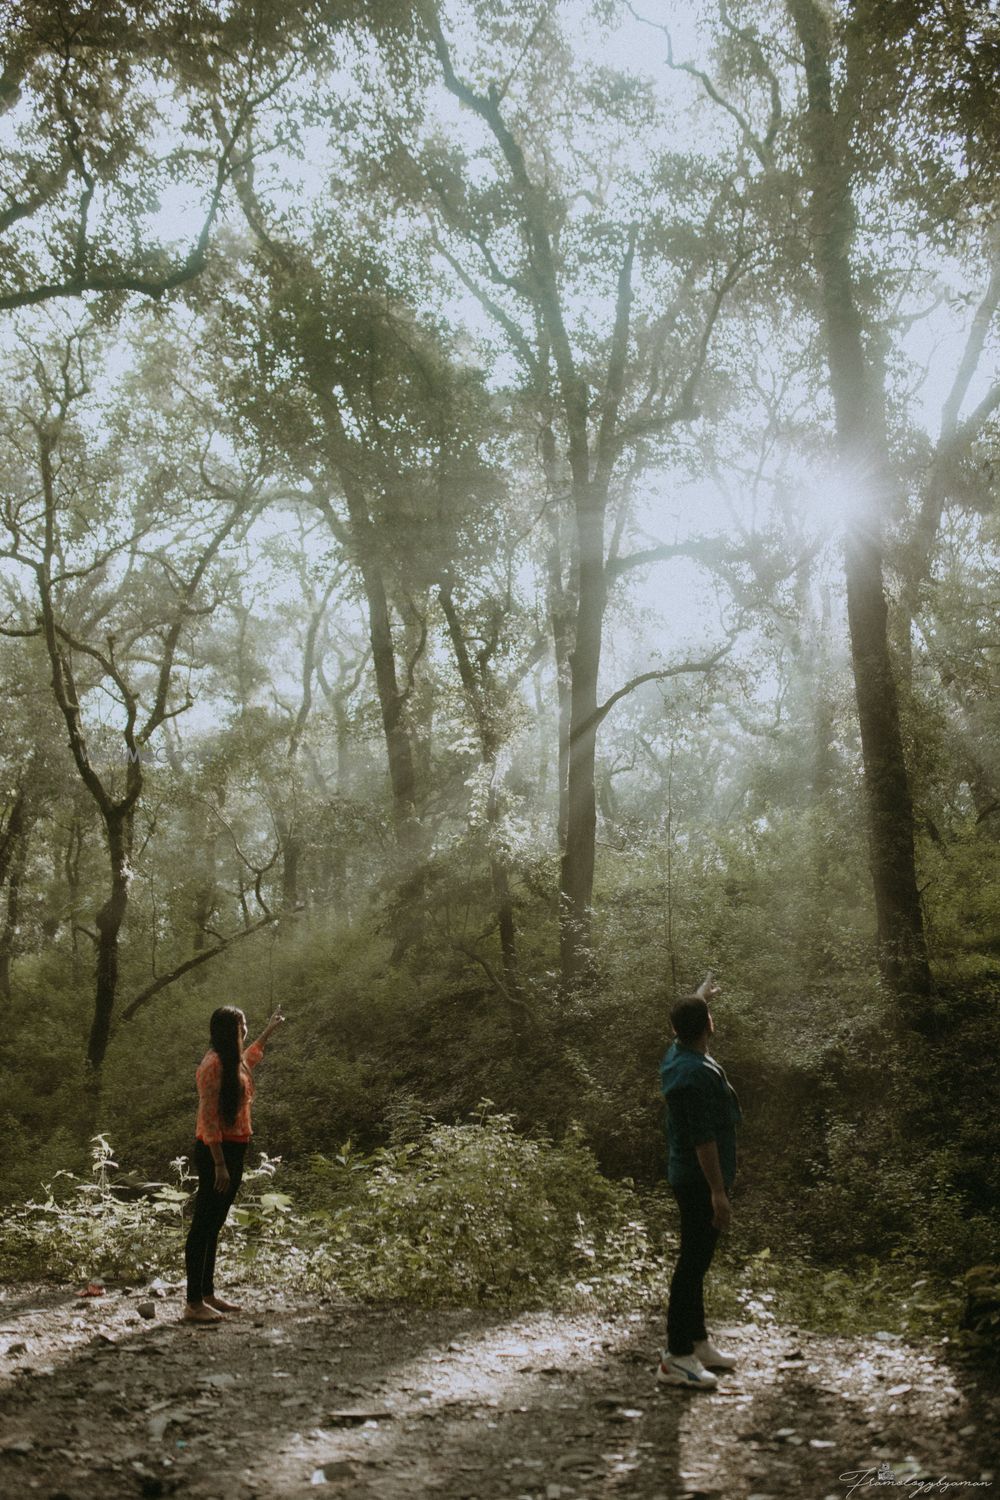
column 471, row 1214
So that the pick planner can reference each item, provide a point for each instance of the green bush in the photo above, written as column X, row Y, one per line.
column 469, row 1213
column 113, row 1227
column 476, row 1213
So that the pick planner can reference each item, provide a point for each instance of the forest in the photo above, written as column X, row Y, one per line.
column 499, row 518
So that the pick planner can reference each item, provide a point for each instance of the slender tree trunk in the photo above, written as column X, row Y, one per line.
column 577, row 875
column 865, row 465
column 591, row 486
column 360, row 538
column 109, row 922
column 13, row 856
column 489, row 749
column 399, row 751
column 562, row 634
column 206, row 891
column 561, row 626
column 72, row 855
column 291, row 851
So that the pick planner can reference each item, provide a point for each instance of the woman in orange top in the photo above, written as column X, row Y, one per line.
column 225, row 1094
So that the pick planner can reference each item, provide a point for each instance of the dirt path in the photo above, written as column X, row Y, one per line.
column 388, row 1403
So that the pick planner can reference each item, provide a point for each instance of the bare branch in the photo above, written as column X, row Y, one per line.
column 659, row 674
column 760, row 146
column 158, row 985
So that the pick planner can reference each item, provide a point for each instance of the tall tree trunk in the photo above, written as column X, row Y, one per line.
column 561, row 625
column 577, row 872
column 591, row 486
column 13, row 856
column 360, row 539
column 489, row 748
column 109, row 921
column 399, row 751
column 291, row 852
column 859, row 401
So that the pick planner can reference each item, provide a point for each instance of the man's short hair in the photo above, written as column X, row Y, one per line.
column 689, row 1018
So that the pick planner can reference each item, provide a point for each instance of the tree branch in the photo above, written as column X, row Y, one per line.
column 152, row 990
column 660, row 674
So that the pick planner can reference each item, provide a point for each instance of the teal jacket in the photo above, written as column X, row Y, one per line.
column 701, row 1106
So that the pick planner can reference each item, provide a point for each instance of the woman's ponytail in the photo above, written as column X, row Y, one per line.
column 226, row 1032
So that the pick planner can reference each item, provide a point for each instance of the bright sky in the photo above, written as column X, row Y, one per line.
column 670, row 505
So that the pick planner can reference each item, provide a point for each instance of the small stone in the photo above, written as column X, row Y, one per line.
column 146, row 1309
column 357, row 1418
column 337, row 1468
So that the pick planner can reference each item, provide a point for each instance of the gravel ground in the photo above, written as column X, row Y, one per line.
column 290, row 1399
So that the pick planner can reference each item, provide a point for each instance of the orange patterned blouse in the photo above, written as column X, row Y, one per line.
column 210, row 1127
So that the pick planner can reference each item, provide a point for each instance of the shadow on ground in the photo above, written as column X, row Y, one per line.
column 385, row 1403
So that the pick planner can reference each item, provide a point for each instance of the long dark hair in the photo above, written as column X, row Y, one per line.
column 226, row 1032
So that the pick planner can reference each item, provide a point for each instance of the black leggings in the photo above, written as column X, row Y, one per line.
column 686, row 1308
column 211, row 1209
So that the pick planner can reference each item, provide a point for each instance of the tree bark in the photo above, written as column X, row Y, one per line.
column 489, row 749
column 859, row 401
column 577, row 871
column 13, row 856
column 109, row 920
column 561, row 625
column 360, row 540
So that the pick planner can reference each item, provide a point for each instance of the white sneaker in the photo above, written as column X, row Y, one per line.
column 712, row 1358
column 686, row 1370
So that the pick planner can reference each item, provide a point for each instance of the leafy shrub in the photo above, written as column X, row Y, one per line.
column 476, row 1213
column 470, row 1213
column 113, row 1227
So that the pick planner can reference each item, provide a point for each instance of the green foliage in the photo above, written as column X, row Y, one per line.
column 85, row 1229
column 114, row 1226
column 467, row 1214
column 982, row 1307
column 895, row 1295
column 477, row 1214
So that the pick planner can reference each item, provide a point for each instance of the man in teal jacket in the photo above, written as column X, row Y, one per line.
column 702, row 1115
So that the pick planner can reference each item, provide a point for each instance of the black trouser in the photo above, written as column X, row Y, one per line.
column 210, row 1211
column 686, row 1308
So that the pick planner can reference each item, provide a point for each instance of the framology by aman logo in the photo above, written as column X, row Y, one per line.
column 913, row 1484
